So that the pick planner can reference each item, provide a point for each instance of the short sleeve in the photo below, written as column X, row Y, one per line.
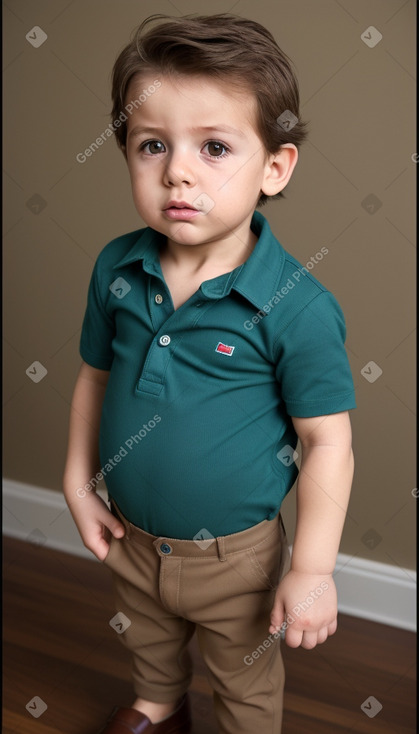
column 98, row 328
column 312, row 365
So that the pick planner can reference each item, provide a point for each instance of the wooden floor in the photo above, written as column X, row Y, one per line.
column 59, row 647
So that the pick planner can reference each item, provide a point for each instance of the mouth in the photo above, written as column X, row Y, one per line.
column 180, row 210
column 179, row 205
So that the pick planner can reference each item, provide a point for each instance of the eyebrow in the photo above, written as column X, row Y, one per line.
column 138, row 130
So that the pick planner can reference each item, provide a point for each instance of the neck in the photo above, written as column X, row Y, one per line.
column 225, row 254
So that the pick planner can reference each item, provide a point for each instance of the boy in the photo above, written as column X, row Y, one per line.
column 208, row 351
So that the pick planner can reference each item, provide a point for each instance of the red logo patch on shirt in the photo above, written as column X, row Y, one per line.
column 224, row 349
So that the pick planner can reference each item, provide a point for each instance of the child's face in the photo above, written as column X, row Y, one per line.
column 194, row 141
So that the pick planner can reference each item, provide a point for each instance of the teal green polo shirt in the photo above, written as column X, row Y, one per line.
column 196, row 437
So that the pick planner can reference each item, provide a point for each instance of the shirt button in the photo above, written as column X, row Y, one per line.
column 164, row 340
column 158, row 298
column 166, row 548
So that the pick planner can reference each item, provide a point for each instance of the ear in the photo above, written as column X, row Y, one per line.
column 279, row 169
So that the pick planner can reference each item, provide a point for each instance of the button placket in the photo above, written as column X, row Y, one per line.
column 160, row 306
column 163, row 346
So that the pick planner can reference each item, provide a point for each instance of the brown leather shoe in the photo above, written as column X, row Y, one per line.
column 130, row 721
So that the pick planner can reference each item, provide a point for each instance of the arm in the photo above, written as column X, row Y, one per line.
column 94, row 520
column 323, row 491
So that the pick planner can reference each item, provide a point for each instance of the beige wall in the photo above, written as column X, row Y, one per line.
column 360, row 104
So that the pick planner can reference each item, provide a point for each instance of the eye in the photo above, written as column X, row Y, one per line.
column 217, row 149
column 153, row 147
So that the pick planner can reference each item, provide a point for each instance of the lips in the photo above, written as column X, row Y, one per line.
column 180, row 210
column 179, row 205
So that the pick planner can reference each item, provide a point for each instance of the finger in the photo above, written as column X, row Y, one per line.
column 309, row 640
column 114, row 525
column 293, row 637
column 332, row 627
column 117, row 529
column 322, row 635
column 100, row 548
column 277, row 618
column 278, row 631
column 276, row 628
column 111, row 527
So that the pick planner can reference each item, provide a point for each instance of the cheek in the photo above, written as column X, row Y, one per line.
column 139, row 192
column 143, row 170
column 239, row 182
column 138, row 177
column 131, row 169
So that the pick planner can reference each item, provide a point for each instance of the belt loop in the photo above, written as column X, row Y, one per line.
column 221, row 549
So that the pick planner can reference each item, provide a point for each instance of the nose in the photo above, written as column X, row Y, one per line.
column 179, row 170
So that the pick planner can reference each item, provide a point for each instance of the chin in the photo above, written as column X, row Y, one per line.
column 186, row 241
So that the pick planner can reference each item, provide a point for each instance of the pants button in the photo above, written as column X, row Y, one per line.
column 166, row 548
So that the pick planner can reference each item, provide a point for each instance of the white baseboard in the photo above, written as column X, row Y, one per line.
column 367, row 589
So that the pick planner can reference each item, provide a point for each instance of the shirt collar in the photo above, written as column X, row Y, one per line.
column 256, row 279
column 146, row 248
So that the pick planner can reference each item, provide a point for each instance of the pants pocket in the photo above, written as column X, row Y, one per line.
column 266, row 559
column 112, row 544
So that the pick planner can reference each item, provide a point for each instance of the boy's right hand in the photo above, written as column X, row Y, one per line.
column 95, row 522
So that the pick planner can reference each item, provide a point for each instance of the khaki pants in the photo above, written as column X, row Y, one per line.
column 224, row 590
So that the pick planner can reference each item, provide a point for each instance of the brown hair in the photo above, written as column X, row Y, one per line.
column 217, row 46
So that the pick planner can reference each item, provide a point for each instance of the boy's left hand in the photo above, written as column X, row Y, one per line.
column 306, row 605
